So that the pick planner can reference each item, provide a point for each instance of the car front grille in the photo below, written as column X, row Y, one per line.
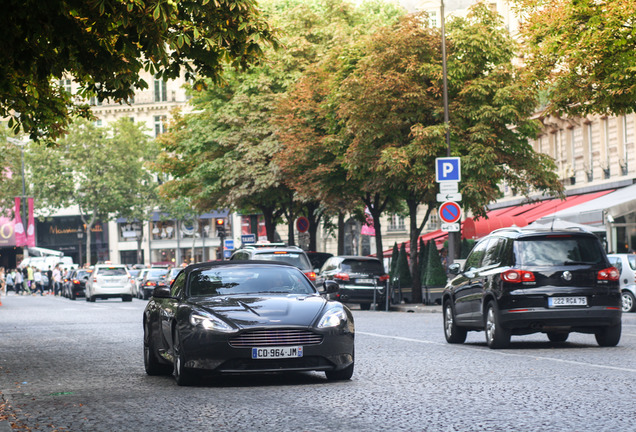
column 275, row 337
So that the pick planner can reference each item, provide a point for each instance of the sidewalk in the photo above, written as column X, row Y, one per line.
column 416, row 308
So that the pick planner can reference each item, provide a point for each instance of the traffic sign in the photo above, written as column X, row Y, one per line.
column 450, row 227
column 229, row 244
column 449, row 187
column 248, row 238
column 302, row 224
column 441, row 197
column 448, row 169
column 227, row 253
column 450, row 212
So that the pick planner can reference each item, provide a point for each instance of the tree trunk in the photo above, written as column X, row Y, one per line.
column 314, row 216
column 376, row 205
column 341, row 233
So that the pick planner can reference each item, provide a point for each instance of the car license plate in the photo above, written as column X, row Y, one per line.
column 365, row 281
column 566, row 301
column 277, row 352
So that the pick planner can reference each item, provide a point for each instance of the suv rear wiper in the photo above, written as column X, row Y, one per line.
column 577, row 263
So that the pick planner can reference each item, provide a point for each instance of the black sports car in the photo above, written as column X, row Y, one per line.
column 246, row 316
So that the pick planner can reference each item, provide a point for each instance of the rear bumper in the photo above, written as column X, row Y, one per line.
column 571, row 319
column 359, row 294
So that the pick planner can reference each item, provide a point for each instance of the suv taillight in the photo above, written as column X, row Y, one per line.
column 610, row 273
column 517, row 276
column 341, row 276
column 384, row 278
column 311, row 275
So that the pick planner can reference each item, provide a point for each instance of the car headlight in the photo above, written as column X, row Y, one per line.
column 332, row 318
column 208, row 322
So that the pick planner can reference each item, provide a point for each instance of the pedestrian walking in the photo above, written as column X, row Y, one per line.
column 25, row 280
column 57, row 279
column 37, row 281
column 49, row 275
column 18, row 280
column 10, row 280
column 30, row 278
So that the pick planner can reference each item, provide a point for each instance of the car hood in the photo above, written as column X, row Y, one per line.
column 255, row 310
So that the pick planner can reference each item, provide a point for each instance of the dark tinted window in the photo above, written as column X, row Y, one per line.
column 299, row 260
column 178, row 285
column 476, row 255
column 112, row 271
column 362, row 266
column 236, row 280
column 493, row 252
column 558, row 251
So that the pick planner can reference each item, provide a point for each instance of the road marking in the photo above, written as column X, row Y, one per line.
column 500, row 352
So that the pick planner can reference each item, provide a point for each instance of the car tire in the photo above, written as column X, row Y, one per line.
column 496, row 335
column 609, row 336
column 365, row 306
column 92, row 299
column 126, row 298
column 342, row 374
column 558, row 336
column 453, row 333
column 182, row 375
column 628, row 301
column 151, row 363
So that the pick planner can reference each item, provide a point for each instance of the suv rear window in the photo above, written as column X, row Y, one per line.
column 362, row 266
column 112, row 271
column 296, row 259
column 558, row 251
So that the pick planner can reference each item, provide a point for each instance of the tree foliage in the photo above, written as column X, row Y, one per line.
column 101, row 170
column 583, row 53
column 105, row 44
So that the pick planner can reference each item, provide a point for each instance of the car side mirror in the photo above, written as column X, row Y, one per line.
column 161, row 292
column 330, row 287
column 455, row 268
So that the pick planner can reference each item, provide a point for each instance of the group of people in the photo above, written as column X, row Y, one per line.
column 32, row 280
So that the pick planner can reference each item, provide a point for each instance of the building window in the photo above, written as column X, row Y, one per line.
column 66, row 85
column 94, row 101
column 160, row 125
column 98, row 123
column 396, row 223
column 432, row 18
column 161, row 93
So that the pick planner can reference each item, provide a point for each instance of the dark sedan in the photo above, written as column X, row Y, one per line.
column 154, row 278
column 246, row 317
column 75, row 285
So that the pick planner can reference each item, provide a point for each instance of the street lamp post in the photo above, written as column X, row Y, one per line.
column 80, row 236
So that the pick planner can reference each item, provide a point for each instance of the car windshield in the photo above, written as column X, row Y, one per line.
column 559, row 251
column 155, row 273
column 362, row 266
column 248, row 280
column 296, row 259
column 113, row 271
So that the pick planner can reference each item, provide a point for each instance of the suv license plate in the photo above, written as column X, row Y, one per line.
column 566, row 301
column 277, row 352
column 364, row 281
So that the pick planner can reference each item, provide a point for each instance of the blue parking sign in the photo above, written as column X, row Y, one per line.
column 448, row 169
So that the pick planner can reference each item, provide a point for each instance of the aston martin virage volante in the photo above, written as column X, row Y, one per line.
column 246, row 317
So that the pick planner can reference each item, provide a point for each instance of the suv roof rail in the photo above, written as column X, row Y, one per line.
column 264, row 245
column 512, row 228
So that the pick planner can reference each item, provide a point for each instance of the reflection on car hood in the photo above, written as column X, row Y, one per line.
column 250, row 310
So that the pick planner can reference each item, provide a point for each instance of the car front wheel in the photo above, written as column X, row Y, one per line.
column 496, row 335
column 629, row 301
column 182, row 375
column 453, row 334
column 341, row 375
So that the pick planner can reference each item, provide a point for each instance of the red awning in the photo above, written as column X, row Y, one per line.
column 520, row 215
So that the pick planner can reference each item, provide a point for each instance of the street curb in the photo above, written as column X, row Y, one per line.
column 416, row 308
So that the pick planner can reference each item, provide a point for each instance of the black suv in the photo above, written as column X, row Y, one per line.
column 518, row 281
column 276, row 252
column 362, row 280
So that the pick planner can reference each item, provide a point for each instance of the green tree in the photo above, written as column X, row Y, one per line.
column 582, row 54
column 105, row 44
column 435, row 274
column 403, row 270
column 101, row 170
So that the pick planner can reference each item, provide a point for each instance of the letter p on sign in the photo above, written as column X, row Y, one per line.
column 447, row 169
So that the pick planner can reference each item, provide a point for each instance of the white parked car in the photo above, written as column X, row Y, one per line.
column 626, row 264
column 108, row 281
